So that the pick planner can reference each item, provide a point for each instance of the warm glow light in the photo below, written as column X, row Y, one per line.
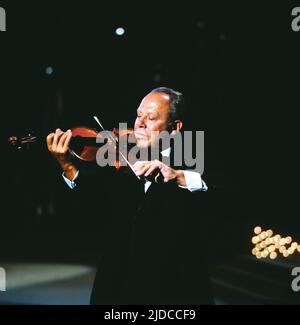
column 294, row 245
column 265, row 245
column 288, row 239
column 257, row 230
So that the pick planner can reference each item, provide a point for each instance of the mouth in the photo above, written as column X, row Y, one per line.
column 141, row 135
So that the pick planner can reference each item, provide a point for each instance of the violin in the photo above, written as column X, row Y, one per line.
column 85, row 143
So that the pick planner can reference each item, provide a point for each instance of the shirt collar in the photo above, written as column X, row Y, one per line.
column 166, row 152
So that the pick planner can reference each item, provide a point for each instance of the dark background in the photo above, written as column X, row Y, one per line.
column 237, row 65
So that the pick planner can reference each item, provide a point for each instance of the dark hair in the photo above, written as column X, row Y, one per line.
column 177, row 105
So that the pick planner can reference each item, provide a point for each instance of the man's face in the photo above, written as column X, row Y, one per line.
column 152, row 115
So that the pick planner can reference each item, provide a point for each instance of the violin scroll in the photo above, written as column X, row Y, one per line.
column 23, row 142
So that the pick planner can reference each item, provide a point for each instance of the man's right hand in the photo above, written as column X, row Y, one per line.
column 58, row 145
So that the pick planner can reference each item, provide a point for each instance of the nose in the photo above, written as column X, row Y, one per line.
column 140, row 121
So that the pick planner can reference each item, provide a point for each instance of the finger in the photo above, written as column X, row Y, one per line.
column 57, row 135
column 61, row 142
column 142, row 169
column 67, row 141
column 158, row 163
column 140, row 164
column 151, row 170
column 50, row 140
column 168, row 173
column 166, row 169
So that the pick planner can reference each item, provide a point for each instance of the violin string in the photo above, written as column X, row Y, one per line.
column 115, row 141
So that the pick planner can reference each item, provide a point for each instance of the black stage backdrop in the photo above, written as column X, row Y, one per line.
column 237, row 64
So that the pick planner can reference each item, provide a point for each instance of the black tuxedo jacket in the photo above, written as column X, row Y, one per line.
column 154, row 245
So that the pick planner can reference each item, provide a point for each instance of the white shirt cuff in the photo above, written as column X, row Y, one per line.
column 70, row 183
column 194, row 182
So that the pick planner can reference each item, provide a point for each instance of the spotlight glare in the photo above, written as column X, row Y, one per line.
column 49, row 71
column 120, row 31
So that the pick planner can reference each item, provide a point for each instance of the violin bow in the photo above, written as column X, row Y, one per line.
column 115, row 142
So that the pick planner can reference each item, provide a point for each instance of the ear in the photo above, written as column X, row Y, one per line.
column 176, row 127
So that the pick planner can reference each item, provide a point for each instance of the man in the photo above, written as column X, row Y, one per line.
column 153, row 252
